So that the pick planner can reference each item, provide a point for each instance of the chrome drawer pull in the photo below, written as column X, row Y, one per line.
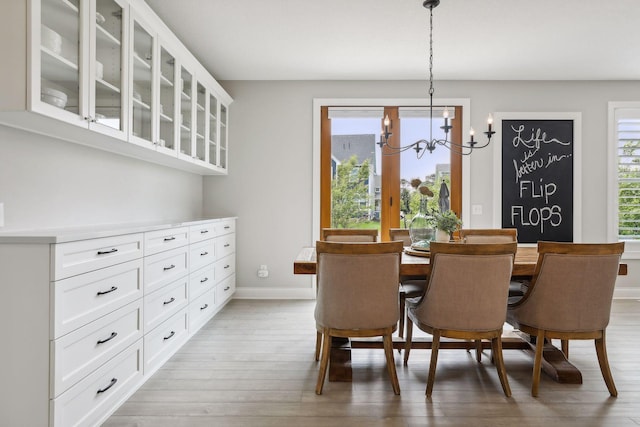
column 168, row 239
column 113, row 335
column 204, row 307
column 227, row 266
column 204, row 253
column 113, row 382
column 204, row 231
column 227, row 245
column 226, row 227
column 169, row 268
column 170, row 335
column 113, row 288
column 110, row 251
column 227, row 288
column 204, row 280
column 169, row 302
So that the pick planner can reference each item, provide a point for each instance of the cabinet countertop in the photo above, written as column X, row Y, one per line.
column 70, row 234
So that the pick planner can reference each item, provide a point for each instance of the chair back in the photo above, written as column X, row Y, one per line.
column 489, row 235
column 468, row 286
column 349, row 235
column 357, row 284
column 572, row 287
column 401, row 234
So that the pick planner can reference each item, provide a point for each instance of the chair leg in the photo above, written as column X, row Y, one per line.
column 402, row 314
column 318, row 344
column 435, row 346
column 496, row 351
column 324, row 362
column 479, row 350
column 601, row 351
column 391, row 364
column 407, row 341
column 537, row 363
column 565, row 348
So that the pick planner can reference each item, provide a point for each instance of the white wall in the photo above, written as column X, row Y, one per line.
column 47, row 183
column 270, row 182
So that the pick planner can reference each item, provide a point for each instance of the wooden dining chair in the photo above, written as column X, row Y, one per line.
column 569, row 297
column 357, row 296
column 466, row 298
column 344, row 235
column 493, row 235
column 354, row 235
column 410, row 286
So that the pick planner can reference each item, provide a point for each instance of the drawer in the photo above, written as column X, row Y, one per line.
column 201, row 254
column 163, row 240
column 164, row 341
column 200, row 232
column 200, row 281
column 79, row 353
column 225, row 289
column 201, row 310
column 94, row 398
column 165, row 267
column 164, row 303
column 81, row 299
column 225, row 227
column 225, row 245
column 72, row 258
column 225, row 267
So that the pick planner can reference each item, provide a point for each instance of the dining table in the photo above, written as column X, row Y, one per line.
column 416, row 263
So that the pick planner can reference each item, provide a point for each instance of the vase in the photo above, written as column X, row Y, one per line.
column 421, row 229
column 442, row 236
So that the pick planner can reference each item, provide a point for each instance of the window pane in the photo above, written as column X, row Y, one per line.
column 628, row 135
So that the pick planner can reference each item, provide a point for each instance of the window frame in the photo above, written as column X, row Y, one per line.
column 319, row 103
column 632, row 248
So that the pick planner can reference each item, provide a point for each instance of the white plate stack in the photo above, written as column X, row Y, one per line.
column 53, row 97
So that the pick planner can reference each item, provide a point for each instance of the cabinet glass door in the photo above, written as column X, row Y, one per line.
column 213, row 130
column 223, row 136
column 107, row 70
column 60, row 54
column 141, row 91
column 201, row 122
column 167, row 107
column 186, row 109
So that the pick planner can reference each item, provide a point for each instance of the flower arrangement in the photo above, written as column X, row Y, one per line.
column 447, row 221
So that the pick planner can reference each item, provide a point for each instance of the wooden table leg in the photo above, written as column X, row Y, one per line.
column 340, row 360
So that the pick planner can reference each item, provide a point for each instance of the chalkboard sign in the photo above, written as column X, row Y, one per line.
column 538, row 160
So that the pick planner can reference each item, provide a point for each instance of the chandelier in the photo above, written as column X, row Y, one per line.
column 425, row 145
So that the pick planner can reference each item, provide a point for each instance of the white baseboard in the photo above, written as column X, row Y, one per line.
column 274, row 293
column 626, row 293
column 308, row 293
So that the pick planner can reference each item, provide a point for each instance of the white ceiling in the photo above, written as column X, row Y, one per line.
column 388, row 39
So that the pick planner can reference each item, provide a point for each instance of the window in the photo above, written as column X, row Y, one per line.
column 624, row 174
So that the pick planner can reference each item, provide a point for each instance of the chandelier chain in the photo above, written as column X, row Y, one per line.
column 431, row 90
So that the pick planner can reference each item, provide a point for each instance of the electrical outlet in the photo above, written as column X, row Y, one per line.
column 263, row 272
column 476, row 210
column 1, row 214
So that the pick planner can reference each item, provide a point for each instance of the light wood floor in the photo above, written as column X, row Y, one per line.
column 253, row 365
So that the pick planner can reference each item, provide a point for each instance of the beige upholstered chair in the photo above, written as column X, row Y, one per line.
column 357, row 296
column 569, row 298
column 410, row 287
column 466, row 299
column 492, row 235
column 344, row 235
column 353, row 235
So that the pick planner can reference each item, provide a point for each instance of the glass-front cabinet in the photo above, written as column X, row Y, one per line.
column 59, row 86
column 112, row 70
column 141, row 94
column 106, row 61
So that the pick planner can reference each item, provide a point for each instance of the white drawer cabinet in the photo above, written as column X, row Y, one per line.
column 77, row 354
column 94, row 313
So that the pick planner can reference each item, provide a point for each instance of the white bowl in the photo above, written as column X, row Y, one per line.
column 51, row 40
column 100, row 18
column 99, row 70
column 53, row 97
